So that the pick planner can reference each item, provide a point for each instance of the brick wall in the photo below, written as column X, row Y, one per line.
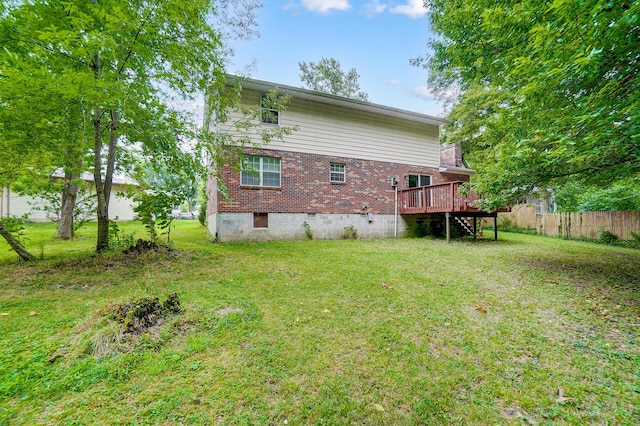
column 305, row 186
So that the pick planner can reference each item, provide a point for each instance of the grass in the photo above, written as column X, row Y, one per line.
column 525, row 330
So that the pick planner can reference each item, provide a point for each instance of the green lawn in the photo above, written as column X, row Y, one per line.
column 524, row 330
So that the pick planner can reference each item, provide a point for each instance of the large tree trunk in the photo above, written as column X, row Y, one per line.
column 102, row 193
column 102, row 212
column 103, row 186
column 15, row 244
column 69, row 196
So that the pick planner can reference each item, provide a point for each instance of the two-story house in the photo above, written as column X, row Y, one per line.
column 351, row 165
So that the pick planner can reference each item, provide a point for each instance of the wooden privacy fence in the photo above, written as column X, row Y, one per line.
column 576, row 225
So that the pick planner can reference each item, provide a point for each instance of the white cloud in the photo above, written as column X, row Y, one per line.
column 375, row 7
column 413, row 9
column 423, row 92
column 394, row 82
column 440, row 113
column 324, row 6
column 426, row 93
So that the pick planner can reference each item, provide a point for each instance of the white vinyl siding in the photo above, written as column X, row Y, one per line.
column 342, row 132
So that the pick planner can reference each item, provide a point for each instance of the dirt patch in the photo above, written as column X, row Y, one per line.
column 138, row 315
column 139, row 324
column 229, row 310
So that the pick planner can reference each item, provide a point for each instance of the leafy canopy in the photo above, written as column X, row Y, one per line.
column 115, row 71
column 549, row 89
column 327, row 76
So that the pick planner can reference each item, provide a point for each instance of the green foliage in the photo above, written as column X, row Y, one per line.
column 607, row 237
column 548, row 91
column 203, row 202
column 327, row 76
column 154, row 208
column 119, row 240
column 17, row 226
column 307, row 230
column 111, row 72
column 349, row 233
column 202, row 214
column 623, row 194
column 49, row 200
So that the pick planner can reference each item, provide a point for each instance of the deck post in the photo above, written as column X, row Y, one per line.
column 495, row 225
column 475, row 227
column 447, row 225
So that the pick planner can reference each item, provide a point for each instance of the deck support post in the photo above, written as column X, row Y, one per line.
column 448, row 225
column 475, row 227
column 495, row 225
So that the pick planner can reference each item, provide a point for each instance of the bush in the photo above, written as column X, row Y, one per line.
column 349, row 233
column 307, row 230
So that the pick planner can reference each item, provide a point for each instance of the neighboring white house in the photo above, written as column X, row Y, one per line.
column 13, row 204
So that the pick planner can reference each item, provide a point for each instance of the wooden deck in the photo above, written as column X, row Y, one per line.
column 442, row 198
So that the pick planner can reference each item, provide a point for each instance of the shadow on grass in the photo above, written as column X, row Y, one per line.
column 614, row 276
column 83, row 270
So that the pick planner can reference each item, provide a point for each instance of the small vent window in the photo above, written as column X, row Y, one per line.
column 261, row 220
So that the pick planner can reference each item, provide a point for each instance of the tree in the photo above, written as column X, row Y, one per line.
column 327, row 76
column 575, row 196
column 549, row 90
column 15, row 244
column 125, row 61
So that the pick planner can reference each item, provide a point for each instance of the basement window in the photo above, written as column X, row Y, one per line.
column 261, row 220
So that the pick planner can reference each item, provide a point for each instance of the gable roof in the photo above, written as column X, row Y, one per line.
column 329, row 99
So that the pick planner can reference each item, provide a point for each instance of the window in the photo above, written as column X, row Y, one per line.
column 261, row 220
column 338, row 173
column 260, row 171
column 419, row 180
column 268, row 114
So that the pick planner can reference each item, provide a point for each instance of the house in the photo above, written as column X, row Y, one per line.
column 350, row 166
column 14, row 204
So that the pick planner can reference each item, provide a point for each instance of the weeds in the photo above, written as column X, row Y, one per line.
column 307, row 230
column 349, row 233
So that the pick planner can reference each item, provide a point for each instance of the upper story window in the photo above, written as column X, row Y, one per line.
column 268, row 114
column 338, row 173
column 416, row 181
column 260, row 171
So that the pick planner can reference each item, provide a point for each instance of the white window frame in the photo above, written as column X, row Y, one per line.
column 260, row 172
column 333, row 172
column 419, row 176
column 269, row 113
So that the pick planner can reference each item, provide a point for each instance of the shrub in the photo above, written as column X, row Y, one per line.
column 307, row 230
column 349, row 233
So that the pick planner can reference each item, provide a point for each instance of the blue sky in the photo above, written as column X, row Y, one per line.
column 377, row 37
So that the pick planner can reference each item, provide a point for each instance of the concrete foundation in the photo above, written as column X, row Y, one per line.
column 290, row 226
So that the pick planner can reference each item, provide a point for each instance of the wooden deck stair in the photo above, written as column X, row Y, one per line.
column 451, row 200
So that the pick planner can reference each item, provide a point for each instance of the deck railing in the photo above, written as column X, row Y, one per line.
column 445, row 197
